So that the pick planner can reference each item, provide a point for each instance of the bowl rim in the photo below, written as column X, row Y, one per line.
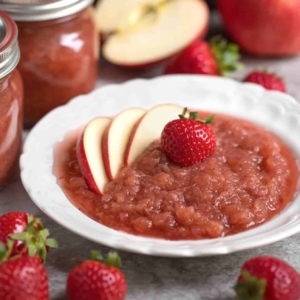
column 279, row 104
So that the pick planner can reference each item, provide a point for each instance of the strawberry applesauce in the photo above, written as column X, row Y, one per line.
column 251, row 177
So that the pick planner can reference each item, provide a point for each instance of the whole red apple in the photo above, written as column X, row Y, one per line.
column 263, row 27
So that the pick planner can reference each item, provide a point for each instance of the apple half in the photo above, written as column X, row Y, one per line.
column 149, row 129
column 137, row 39
column 89, row 154
column 115, row 139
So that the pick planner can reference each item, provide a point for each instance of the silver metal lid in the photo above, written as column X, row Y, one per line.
column 42, row 10
column 9, row 47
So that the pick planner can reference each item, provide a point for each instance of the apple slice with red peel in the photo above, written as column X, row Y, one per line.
column 89, row 154
column 116, row 137
column 149, row 129
column 147, row 39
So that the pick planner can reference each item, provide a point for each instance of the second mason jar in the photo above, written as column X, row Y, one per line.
column 59, row 52
column 11, row 100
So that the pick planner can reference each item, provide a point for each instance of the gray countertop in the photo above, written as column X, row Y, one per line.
column 153, row 278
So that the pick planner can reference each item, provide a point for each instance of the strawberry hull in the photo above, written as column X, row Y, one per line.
column 268, row 278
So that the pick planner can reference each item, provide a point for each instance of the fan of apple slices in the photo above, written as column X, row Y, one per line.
column 107, row 144
column 138, row 33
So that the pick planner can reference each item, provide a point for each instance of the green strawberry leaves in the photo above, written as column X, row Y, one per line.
column 251, row 288
column 112, row 260
column 6, row 250
column 194, row 115
column 227, row 55
column 35, row 238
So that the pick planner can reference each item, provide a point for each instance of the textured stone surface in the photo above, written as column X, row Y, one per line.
column 152, row 278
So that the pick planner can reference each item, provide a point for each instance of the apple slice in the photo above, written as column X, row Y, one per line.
column 116, row 137
column 152, row 38
column 149, row 129
column 89, row 154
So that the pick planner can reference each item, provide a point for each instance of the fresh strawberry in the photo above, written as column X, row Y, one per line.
column 269, row 81
column 23, row 277
column 188, row 141
column 28, row 233
column 215, row 58
column 97, row 279
column 268, row 278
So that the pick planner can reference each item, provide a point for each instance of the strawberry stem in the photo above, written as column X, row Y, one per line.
column 207, row 120
column 96, row 255
column 112, row 260
column 250, row 288
column 226, row 54
column 182, row 116
column 35, row 238
column 6, row 250
column 2, row 252
column 193, row 116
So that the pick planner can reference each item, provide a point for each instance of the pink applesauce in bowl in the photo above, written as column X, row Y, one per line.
column 250, row 178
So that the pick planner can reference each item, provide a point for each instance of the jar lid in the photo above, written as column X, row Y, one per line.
column 42, row 10
column 9, row 47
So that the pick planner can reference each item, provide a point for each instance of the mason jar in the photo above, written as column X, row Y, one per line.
column 11, row 99
column 59, row 52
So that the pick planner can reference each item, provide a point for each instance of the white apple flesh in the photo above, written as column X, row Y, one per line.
column 89, row 154
column 115, row 139
column 149, row 129
column 110, row 15
column 177, row 24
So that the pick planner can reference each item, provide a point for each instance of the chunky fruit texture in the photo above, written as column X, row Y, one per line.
column 268, row 80
column 250, row 182
column 188, row 141
column 268, row 278
column 97, row 279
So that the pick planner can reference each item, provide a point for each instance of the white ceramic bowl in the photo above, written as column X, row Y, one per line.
column 276, row 111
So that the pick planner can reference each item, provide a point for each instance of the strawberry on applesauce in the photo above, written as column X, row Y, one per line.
column 248, row 178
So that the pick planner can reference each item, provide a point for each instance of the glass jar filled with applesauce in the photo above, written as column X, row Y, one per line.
column 11, row 99
column 59, row 47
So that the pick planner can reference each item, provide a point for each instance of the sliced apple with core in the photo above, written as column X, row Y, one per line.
column 89, row 154
column 143, row 35
column 115, row 139
column 112, row 14
column 149, row 129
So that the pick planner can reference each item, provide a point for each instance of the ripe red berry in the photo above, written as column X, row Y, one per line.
column 27, row 232
column 268, row 80
column 268, row 278
column 23, row 277
column 188, row 141
column 215, row 58
column 96, row 279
